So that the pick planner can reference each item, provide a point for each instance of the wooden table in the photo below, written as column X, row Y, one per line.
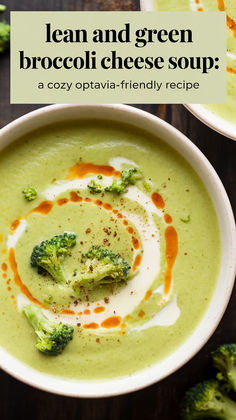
column 160, row 401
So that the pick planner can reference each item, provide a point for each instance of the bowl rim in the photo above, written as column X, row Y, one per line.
column 207, row 117
column 149, row 375
column 214, row 121
column 147, row 5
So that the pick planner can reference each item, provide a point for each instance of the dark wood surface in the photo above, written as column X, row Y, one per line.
column 160, row 401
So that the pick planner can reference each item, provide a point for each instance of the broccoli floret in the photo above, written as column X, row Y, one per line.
column 224, row 359
column 29, row 193
column 117, row 187
column 4, row 36
column 101, row 266
column 52, row 336
column 128, row 177
column 205, row 400
column 49, row 254
column 95, row 187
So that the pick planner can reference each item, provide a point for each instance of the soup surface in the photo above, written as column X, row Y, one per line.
column 164, row 226
column 226, row 111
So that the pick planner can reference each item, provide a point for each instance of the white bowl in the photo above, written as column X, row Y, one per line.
column 217, row 306
column 213, row 121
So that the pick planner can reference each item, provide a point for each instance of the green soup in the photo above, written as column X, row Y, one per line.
column 226, row 111
column 164, row 226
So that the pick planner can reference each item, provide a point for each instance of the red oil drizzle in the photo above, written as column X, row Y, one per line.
column 4, row 266
column 135, row 242
column 221, row 5
column 17, row 279
column 14, row 299
column 171, row 239
column 137, row 262
column 91, row 326
column 111, row 322
column 141, row 313
column 68, row 312
column 231, row 70
column 148, row 295
column 125, row 222
column 107, row 206
column 14, row 225
column 80, row 170
column 230, row 22
column 62, row 201
column 167, row 218
column 4, row 275
column 130, row 229
column 98, row 203
column 231, row 25
column 88, row 200
column 99, row 309
column 44, row 208
column 158, row 200
column 75, row 198
column 87, row 312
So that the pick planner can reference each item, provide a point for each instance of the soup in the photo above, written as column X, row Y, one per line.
column 163, row 224
column 226, row 111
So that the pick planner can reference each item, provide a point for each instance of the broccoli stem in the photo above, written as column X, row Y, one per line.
column 37, row 318
column 57, row 273
column 106, row 275
column 53, row 336
column 227, row 410
column 232, row 377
